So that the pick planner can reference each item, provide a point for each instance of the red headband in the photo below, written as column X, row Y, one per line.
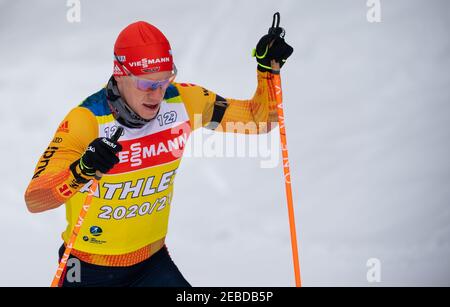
column 142, row 49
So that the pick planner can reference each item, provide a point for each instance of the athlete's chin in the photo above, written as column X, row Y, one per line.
column 149, row 113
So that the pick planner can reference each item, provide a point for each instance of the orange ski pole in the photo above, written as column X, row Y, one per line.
column 287, row 173
column 84, row 210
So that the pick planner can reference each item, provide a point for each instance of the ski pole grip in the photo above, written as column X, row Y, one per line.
column 115, row 137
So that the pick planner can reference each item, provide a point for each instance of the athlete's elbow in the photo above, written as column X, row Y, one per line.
column 32, row 205
column 37, row 207
column 34, row 209
column 36, row 204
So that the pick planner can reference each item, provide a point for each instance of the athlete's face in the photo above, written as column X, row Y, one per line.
column 145, row 103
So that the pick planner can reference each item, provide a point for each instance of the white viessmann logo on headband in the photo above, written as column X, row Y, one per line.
column 145, row 62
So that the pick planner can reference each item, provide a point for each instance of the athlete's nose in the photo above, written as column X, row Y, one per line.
column 156, row 94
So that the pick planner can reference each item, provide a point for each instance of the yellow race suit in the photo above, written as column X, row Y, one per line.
column 128, row 217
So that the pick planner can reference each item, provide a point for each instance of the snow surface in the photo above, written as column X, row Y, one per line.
column 367, row 112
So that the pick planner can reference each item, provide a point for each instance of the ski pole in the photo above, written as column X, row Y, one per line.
column 284, row 150
column 84, row 209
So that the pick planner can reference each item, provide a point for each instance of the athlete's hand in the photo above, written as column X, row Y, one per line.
column 272, row 46
column 99, row 156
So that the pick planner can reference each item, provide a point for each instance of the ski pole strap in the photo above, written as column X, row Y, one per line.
column 276, row 29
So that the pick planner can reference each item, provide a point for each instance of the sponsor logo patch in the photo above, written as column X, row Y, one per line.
column 96, row 231
column 64, row 127
column 46, row 157
column 64, row 190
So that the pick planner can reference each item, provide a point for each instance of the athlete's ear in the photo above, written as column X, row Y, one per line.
column 118, row 78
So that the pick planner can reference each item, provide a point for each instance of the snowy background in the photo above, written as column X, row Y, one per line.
column 367, row 111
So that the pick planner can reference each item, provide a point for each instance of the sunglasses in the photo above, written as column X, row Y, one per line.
column 148, row 84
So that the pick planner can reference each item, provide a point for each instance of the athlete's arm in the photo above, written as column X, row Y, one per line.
column 210, row 110
column 56, row 177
